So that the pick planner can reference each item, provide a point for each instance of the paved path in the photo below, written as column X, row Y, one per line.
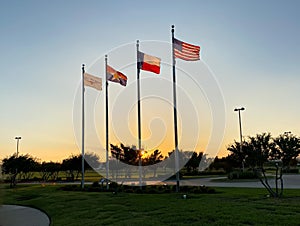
column 290, row 181
column 13, row 215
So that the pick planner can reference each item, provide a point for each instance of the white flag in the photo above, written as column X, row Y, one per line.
column 92, row 81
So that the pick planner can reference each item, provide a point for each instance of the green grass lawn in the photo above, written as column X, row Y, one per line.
column 229, row 206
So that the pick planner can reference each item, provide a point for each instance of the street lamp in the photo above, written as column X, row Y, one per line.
column 18, row 138
column 241, row 136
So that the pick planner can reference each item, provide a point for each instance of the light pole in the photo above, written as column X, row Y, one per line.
column 241, row 136
column 18, row 138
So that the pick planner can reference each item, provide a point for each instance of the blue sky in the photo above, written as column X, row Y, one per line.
column 252, row 47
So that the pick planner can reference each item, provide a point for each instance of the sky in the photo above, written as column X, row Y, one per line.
column 250, row 54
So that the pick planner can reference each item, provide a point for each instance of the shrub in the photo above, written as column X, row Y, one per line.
column 72, row 187
column 96, row 184
column 150, row 189
column 206, row 172
column 242, row 175
column 204, row 190
column 292, row 170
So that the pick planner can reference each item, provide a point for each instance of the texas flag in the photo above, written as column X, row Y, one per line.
column 148, row 63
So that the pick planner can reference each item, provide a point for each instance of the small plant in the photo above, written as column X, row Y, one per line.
column 242, row 175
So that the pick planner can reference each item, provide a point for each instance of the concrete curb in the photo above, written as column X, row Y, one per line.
column 13, row 215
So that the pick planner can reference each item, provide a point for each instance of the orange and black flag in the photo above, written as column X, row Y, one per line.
column 115, row 76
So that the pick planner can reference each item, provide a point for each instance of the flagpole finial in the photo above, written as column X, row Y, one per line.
column 83, row 65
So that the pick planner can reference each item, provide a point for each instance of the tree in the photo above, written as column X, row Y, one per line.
column 194, row 161
column 263, row 148
column 286, row 149
column 238, row 154
column 225, row 163
column 49, row 170
column 153, row 159
column 125, row 154
column 9, row 167
column 92, row 161
column 72, row 166
column 22, row 166
column 257, row 150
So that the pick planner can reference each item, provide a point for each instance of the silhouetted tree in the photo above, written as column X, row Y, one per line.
column 153, row 159
column 258, row 150
column 262, row 148
column 72, row 166
column 286, row 148
column 22, row 166
column 225, row 163
column 49, row 170
column 194, row 161
column 238, row 155
column 126, row 154
column 92, row 161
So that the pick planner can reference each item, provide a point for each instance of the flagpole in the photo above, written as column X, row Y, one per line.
column 82, row 141
column 175, row 116
column 139, row 115
column 106, row 123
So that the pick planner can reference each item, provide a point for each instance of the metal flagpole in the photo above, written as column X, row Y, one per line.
column 139, row 114
column 175, row 116
column 82, row 141
column 106, row 118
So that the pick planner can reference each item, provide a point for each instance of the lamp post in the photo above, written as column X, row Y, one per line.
column 18, row 138
column 241, row 136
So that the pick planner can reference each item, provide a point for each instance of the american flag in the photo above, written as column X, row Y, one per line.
column 185, row 51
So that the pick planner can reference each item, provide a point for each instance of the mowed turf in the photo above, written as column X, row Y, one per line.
column 229, row 206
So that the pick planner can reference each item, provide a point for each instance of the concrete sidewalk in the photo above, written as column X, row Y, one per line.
column 289, row 181
column 13, row 215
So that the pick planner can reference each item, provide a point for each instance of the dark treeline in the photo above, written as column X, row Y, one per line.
column 24, row 167
column 256, row 153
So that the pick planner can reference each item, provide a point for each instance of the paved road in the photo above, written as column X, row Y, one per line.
column 290, row 181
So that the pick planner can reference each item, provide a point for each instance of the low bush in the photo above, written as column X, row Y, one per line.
column 150, row 189
column 292, row 170
column 204, row 173
column 242, row 175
